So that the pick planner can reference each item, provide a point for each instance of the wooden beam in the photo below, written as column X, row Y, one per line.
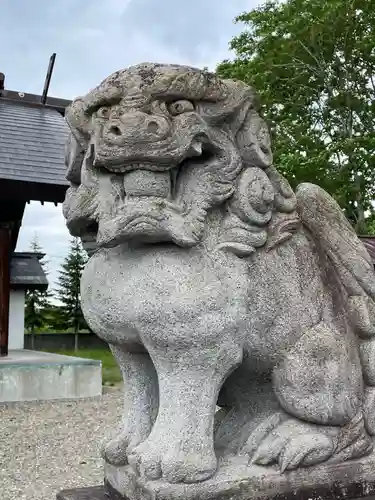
column 11, row 213
column 5, row 254
column 52, row 102
column 15, row 190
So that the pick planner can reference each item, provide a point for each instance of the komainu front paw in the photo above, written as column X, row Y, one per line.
column 145, row 460
column 293, row 444
column 115, row 451
column 189, row 468
column 153, row 461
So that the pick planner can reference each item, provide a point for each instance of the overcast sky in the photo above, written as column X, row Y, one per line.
column 93, row 38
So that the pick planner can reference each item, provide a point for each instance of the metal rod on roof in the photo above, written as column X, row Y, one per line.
column 48, row 78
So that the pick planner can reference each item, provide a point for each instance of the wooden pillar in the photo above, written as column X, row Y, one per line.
column 5, row 254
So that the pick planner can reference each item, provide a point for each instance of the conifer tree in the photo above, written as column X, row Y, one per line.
column 36, row 301
column 68, row 289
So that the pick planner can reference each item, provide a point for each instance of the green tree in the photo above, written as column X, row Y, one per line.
column 54, row 319
column 36, row 301
column 313, row 64
column 69, row 314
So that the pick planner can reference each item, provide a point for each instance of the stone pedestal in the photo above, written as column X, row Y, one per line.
column 91, row 493
column 356, row 491
column 348, row 481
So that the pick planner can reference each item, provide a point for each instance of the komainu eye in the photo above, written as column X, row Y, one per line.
column 179, row 107
column 103, row 112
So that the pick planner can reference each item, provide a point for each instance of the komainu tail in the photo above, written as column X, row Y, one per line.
column 333, row 234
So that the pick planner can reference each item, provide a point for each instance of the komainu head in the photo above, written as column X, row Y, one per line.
column 155, row 147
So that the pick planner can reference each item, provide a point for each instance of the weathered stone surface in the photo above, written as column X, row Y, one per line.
column 214, row 283
column 350, row 481
column 90, row 493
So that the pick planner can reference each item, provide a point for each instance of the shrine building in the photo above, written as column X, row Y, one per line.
column 33, row 134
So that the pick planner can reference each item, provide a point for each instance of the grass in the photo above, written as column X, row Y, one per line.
column 110, row 371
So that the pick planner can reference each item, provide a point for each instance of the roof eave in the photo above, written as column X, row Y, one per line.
column 42, row 287
column 52, row 102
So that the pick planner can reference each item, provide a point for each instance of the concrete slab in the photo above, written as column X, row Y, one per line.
column 33, row 375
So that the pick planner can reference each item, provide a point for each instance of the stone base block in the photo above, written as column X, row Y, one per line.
column 239, row 481
column 91, row 493
column 351, row 481
column 352, row 490
column 36, row 376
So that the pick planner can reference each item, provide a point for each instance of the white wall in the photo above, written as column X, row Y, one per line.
column 16, row 319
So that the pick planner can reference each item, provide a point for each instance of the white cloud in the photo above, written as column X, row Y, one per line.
column 47, row 224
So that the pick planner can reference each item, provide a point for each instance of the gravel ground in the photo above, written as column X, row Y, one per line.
column 49, row 446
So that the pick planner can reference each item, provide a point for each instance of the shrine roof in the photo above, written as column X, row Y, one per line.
column 32, row 149
column 26, row 271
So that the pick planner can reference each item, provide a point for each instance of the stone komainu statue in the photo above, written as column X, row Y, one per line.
column 215, row 284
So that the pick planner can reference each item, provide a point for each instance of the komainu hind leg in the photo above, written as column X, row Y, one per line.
column 319, row 386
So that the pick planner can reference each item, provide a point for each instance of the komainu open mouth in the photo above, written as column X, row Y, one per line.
column 143, row 178
column 148, row 183
column 146, row 202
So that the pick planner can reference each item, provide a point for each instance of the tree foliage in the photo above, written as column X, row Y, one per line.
column 69, row 314
column 36, row 301
column 313, row 64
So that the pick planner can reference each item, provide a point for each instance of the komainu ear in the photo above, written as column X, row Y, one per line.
column 74, row 155
column 78, row 122
column 254, row 141
column 285, row 198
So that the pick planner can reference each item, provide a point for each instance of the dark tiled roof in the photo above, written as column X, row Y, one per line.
column 369, row 242
column 26, row 271
column 32, row 143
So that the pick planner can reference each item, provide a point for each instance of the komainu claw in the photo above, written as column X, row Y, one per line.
column 305, row 450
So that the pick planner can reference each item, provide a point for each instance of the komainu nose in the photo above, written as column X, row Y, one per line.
column 115, row 130
column 152, row 127
column 137, row 125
